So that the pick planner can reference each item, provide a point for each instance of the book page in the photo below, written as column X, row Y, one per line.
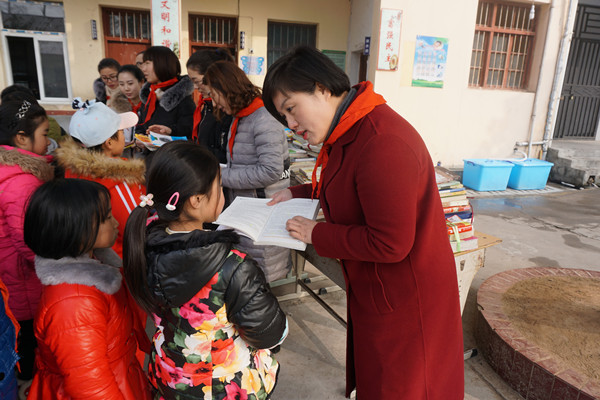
column 247, row 215
column 274, row 232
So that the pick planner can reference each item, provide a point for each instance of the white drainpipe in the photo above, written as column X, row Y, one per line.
column 559, row 76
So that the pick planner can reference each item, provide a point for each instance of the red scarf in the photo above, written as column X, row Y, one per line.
column 152, row 96
column 365, row 101
column 198, row 117
column 134, row 107
column 255, row 105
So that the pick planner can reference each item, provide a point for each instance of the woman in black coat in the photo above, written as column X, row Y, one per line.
column 168, row 107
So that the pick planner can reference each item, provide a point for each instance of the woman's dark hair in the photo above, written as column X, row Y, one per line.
column 202, row 59
column 19, row 117
column 165, row 62
column 18, row 93
column 232, row 82
column 177, row 167
column 63, row 217
column 133, row 70
column 108, row 63
column 299, row 71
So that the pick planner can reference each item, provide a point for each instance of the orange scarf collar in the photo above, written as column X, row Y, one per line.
column 255, row 105
column 364, row 102
column 152, row 96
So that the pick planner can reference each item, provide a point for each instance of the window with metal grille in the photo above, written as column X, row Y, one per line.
column 283, row 36
column 502, row 46
column 126, row 24
column 208, row 31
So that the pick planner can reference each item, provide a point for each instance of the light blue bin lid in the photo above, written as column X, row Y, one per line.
column 484, row 162
column 532, row 162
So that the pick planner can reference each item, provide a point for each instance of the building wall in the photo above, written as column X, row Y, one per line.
column 457, row 121
column 332, row 18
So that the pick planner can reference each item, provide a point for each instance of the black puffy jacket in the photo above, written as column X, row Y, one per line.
column 180, row 265
column 175, row 108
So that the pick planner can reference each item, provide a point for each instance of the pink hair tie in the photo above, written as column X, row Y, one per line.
column 174, row 198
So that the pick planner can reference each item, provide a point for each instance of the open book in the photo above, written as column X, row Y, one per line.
column 266, row 224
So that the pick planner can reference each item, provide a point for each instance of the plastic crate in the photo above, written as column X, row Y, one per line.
column 485, row 175
column 529, row 174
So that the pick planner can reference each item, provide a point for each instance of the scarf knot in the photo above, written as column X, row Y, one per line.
column 364, row 102
column 152, row 96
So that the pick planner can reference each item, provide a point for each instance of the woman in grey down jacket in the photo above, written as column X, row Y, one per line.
column 257, row 154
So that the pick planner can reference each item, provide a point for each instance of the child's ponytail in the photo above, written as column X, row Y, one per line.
column 134, row 257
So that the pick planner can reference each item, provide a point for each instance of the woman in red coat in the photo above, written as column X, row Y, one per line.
column 385, row 223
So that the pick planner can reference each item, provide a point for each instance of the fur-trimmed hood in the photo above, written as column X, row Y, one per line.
column 102, row 273
column 82, row 162
column 119, row 103
column 170, row 98
column 100, row 90
column 28, row 162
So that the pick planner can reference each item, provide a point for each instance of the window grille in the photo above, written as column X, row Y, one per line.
column 208, row 31
column 281, row 37
column 127, row 24
column 502, row 46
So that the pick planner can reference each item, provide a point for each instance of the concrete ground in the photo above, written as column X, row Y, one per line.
column 556, row 229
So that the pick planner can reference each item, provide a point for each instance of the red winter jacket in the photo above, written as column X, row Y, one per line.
column 21, row 172
column 84, row 328
column 123, row 178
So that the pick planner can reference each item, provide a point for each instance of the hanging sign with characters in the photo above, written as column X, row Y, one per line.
column 389, row 39
column 165, row 24
column 430, row 61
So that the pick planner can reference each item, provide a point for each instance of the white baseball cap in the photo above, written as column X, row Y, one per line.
column 94, row 123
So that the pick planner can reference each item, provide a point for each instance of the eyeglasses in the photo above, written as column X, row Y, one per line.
column 109, row 78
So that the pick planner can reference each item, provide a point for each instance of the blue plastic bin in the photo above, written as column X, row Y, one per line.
column 485, row 175
column 529, row 174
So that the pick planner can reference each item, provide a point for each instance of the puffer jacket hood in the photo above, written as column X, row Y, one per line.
column 26, row 163
column 175, row 258
column 102, row 272
column 80, row 161
column 172, row 96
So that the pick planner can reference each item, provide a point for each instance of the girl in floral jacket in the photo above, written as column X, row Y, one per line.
column 214, row 314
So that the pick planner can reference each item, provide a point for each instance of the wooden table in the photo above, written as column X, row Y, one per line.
column 467, row 264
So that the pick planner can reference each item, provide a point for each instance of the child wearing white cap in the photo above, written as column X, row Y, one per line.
column 95, row 154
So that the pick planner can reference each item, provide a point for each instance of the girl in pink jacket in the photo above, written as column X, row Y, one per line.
column 23, row 167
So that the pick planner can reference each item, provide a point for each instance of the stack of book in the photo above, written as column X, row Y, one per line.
column 458, row 212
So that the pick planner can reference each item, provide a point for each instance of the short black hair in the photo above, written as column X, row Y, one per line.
column 299, row 71
column 19, row 116
column 133, row 70
column 202, row 59
column 165, row 62
column 63, row 217
column 108, row 63
column 19, row 93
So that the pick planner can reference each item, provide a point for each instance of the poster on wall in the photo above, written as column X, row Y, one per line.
column 430, row 61
column 389, row 39
column 253, row 65
column 165, row 24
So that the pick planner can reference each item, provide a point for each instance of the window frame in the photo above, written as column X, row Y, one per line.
column 49, row 37
column 487, row 47
column 271, row 49
column 196, row 45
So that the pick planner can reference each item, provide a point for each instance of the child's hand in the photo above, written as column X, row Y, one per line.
column 282, row 195
column 163, row 130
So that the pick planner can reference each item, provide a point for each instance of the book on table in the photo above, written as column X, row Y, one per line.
column 264, row 224
column 464, row 245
